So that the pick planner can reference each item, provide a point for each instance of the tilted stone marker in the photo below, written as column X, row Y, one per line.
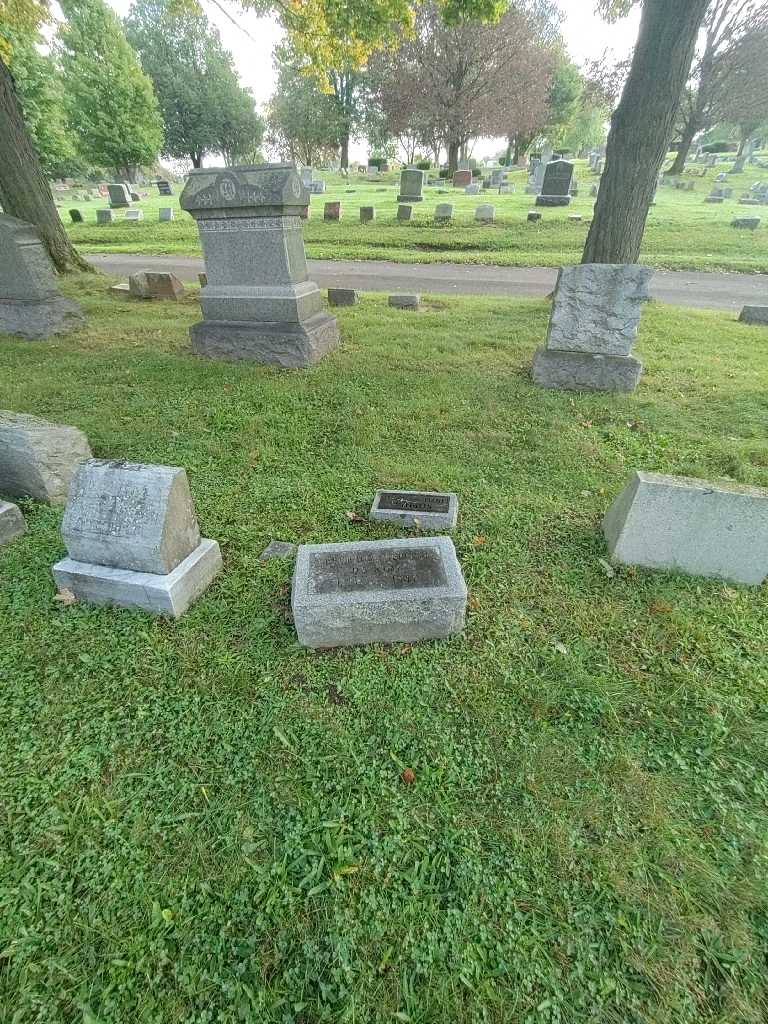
column 76, row 216
column 367, row 213
column 692, row 526
column 133, row 539
column 164, row 188
column 556, row 187
column 485, row 214
column 594, row 323
column 12, row 523
column 411, row 185
column 404, row 212
column 332, row 211
column 342, row 297
column 165, row 213
column 38, row 459
column 134, row 215
column 404, row 301
column 259, row 303
column 444, row 212
column 424, row 510
column 119, row 195
column 104, row 217
column 30, row 303
column 155, row 284
column 754, row 315
column 392, row 591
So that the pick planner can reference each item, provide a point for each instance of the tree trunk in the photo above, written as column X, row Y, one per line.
column 510, row 147
column 521, row 145
column 197, row 160
column 641, row 128
column 686, row 141
column 345, row 151
column 24, row 189
column 453, row 156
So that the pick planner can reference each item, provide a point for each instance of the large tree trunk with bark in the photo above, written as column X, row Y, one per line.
column 686, row 141
column 24, row 189
column 641, row 128
column 453, row 155
column 345, row 151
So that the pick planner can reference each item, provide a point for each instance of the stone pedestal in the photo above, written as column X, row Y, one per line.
column 258, row 303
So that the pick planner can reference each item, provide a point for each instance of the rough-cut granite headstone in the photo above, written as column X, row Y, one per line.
column 595, row 317
column 754, row 315
column 38, row 458
column 485, row 214
column 104, row 217
column 155, row 284
column 404, row 212
column 133, row 539
column 30, row 304
column 392, row 591
column 12, row 523
column 342, row 297
column 556, row 186
column 119, row 195
column 404, row 301
column 76, row 216
column 411, row 185
column 424, row 510
column 332, row 211
column 693, row 526
column 462, row 178
column 444, row 212
column 259, row 303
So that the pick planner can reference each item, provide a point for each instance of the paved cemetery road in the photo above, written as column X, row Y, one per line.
column 680, row 287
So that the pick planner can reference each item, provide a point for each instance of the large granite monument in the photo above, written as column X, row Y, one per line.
column 30, row 303
column 259, row 303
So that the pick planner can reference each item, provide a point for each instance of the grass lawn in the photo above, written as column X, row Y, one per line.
column 203, row 822
column 683, row 233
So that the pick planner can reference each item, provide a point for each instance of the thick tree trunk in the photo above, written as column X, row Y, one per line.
column 453, row 156
column 510, row 147
column 24, row 189
column 197, row 160
column 686, row 141
column 521, row 145
column 641, row 128
column 345, row 151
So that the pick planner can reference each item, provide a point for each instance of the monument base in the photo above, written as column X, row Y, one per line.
column 169, row 595
column 553, row 200
column 410, row 199
column 37, row 319
column 278, row 344
column 583, row 371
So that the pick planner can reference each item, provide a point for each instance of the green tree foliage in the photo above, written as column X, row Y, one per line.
column 203, row 106
column 565, row 99
column 111, row 106
column 305, row 122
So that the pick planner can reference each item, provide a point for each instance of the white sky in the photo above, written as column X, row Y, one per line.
column 252, row 39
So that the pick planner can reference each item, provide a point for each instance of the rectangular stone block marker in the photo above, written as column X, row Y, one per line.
column 38, row 459
column 133, row 539
column 394, row 591
column 754, row 315
column 411, row 185
column 690, row 526
column 425, row 510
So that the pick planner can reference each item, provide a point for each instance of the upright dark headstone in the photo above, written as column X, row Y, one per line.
column 164, row 188
column 556, row 187
column 119, row 195
column 411, row 185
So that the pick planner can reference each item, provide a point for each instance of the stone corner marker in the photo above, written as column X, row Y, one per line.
column 754, row 315
column 12, row 523
column 259, row 303
column 342, row 297
column 595, row 318
column 392, row 591
column 30, row 303
column 697, row 527
column 156, row 284
column 423, row 510
column 133, row 541
column 402, row 300
column 38, row 459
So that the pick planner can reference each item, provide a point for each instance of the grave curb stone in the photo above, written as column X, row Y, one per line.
column 156, row 284
column 414, row 519
column 12, row 523
column 698, row 527
column 391, row 615
column 289, row 345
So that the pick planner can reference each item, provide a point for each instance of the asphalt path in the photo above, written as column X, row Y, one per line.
column 679, row 288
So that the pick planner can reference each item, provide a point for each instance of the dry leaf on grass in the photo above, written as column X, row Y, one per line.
column 65, row 597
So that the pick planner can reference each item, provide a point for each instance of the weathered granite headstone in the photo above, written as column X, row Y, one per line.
column 754, row 315
column 698, row 527
column 462, row 178
column 404, row 212
column 444, row 212
column 753, row 223
column 119, row 195
column 391, row 591
column 30, row 303
column 104, row 217
column 367, row 214
column 259, row 302
column 76, row 216
column 533, row 217
column 342, row 297
column 38, row 458
column 164, row 188
column 595, row 317
column 12, row 523
column 424, row 510
column 556, row 187
column 155, row 284
column 133, row 539
column 411, row 185
column 332, row 211
column 401, row 300
column 485, row 214
column 134, row 215
column 165, row 213
column 473, row 189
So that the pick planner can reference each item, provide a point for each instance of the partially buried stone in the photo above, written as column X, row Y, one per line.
column 38, row 458
column 342, row 297
column 377, row 591
column 404, row 212
column 425, row 510
column 754, row 315
column 752, row 223
column 12, row 523
column 367, row 213
column 533, row 217
column 332, row 211
column 698, row 527
column 277, row 549
column 30, row 303
column 404, row 301
column 151, row 284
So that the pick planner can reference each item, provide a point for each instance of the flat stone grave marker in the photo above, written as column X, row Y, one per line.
column 754, row 315
column 104, row 217
column 12, row 523
column 697, row 527
column 342, row 297
column 37, row 458
column 392, row 591
column 119, row 195
column 133, row 541
column 277, row 549
column 425, row 510
column 752, row 223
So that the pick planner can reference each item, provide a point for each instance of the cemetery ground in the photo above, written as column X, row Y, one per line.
column 683, row 233
column 558, row 815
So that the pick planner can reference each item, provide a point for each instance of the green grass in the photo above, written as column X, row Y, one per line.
column 203, row 822
column 683, row 232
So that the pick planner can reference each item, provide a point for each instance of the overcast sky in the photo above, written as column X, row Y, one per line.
column 251, row 41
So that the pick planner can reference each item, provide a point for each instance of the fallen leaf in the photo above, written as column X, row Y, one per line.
column 408, row 776
column 607, row 568
column 355, row 517
column 729, row 594
column 478, row 541
column 660, row 608
column 65, row 597
column 474, row 602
